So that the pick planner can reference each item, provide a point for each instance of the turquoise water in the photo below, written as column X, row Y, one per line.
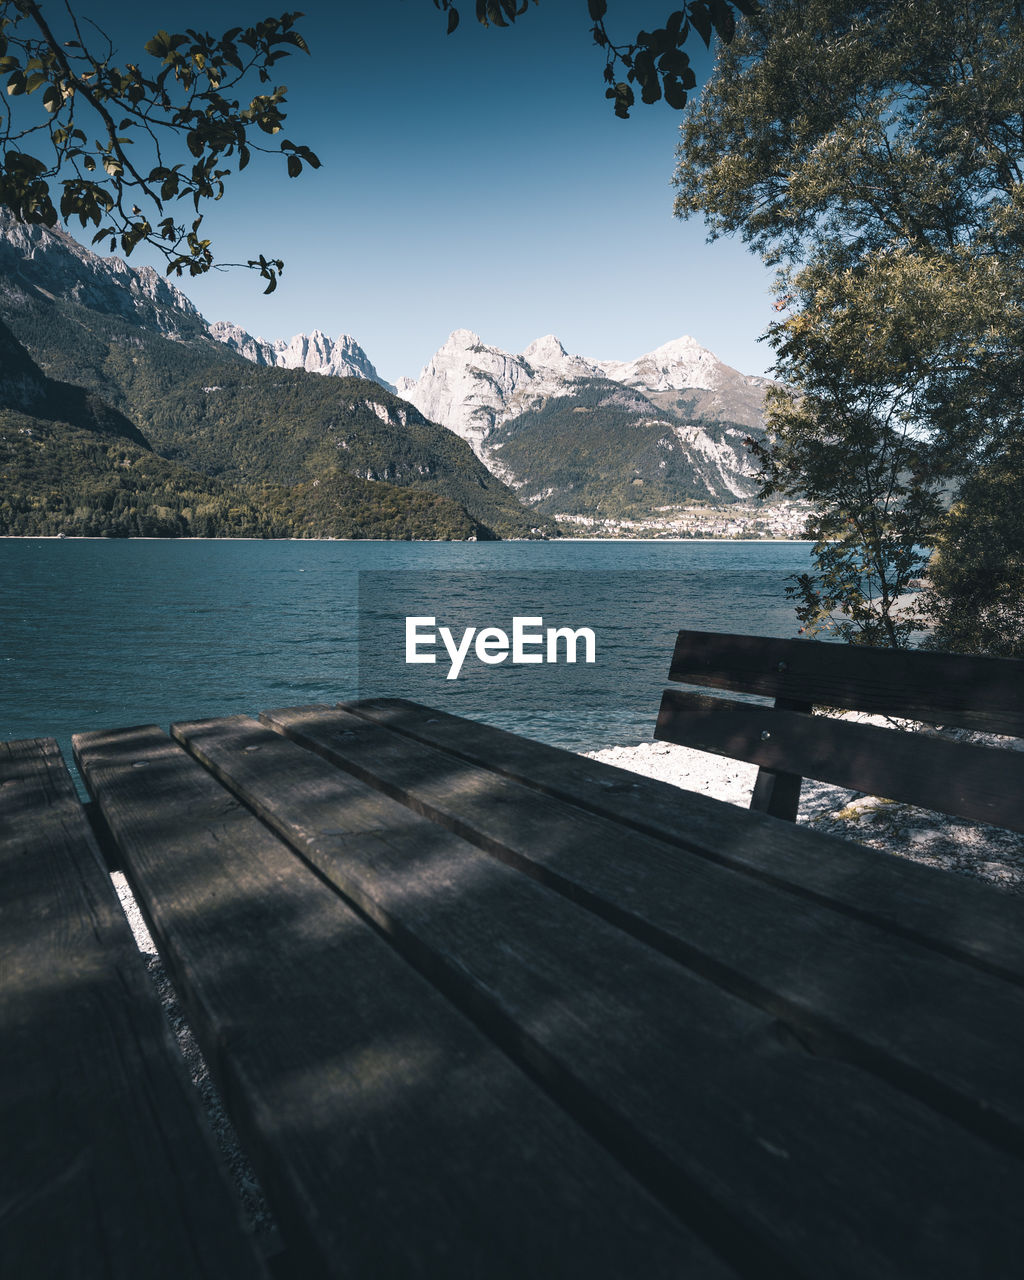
column 103, row 633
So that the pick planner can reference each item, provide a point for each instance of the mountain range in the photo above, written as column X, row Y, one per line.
column 340, row 357
column 295, row 454
column 501, row 443
column 573, row 435
column 570, row 434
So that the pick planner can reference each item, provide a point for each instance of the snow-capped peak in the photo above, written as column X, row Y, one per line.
column 546, row 350
column 673, row 366
column 473, row 388
column 547, row 353
column 462, row 340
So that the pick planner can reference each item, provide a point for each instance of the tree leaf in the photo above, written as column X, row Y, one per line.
column 723, row 19
column 675, row 94
column 623, row 97
column 701, row 19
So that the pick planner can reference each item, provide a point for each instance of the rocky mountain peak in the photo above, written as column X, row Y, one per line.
column 545, row 351
column 316, row 352
column 674, row 366
column 235, row 337
column 473, row 388
column 462, row 340
column 47, row 262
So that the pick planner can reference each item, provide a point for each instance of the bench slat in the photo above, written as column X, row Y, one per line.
column 749, row 937
column 107, row 1165
column 951, row 689
column 804, row 1164
column 346, row 1073
column 951, row 914
column 984, row 784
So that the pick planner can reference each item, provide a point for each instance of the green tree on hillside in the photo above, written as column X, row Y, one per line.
column 874, row 152
column 977, row 573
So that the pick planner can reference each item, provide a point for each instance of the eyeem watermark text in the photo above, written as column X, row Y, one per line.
column 493, row 645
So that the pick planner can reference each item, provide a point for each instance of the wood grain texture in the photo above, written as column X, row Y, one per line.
column 394, row 1140
column 949, row 689
column 801, row 1164
column 107, row 1169
column 935, row 1026
column 950, row 914
column 983, row 784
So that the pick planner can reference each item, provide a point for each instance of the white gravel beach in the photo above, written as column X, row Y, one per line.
column 951, row 844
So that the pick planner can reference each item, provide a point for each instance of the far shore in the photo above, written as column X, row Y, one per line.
column 71, row 537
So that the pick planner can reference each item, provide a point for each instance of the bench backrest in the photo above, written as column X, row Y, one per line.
column 789, row 743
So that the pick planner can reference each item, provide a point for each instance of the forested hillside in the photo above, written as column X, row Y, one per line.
column 94, row 327
column 70, row 464
column 56, row 478
column 605, row 450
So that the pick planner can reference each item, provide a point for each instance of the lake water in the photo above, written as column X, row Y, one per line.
column 106, row 633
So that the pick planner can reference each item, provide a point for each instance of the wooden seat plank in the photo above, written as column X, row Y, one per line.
column 939, row 1028
column 804, row 1163
column 951, row 914
column 980, row 693
column 983, row 784
column 392, row 1137
column 108, row 1168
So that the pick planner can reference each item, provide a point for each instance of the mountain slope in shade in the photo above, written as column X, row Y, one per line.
column 606, row 452
column 340, row 357
column 25, row 389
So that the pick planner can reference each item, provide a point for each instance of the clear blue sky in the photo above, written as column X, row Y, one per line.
column 478, row 180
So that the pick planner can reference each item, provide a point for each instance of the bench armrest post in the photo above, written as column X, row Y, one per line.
column 777, row 793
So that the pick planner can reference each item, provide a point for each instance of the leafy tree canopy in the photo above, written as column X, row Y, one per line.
column 976, row 602
column 656, row 61
column 122, row 146
column 874, row 151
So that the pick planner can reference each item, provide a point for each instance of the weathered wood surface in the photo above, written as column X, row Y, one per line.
column 983, row 784
column 392, row 1137
column 793, row 1163
column 952, row 915
column 107, row 1167
column 859, row 999
column 949, row 689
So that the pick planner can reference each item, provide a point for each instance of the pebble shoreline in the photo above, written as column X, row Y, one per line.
column 950, row 844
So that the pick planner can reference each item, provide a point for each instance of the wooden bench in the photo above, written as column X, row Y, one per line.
column 788, row 742
column 480, row 1007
